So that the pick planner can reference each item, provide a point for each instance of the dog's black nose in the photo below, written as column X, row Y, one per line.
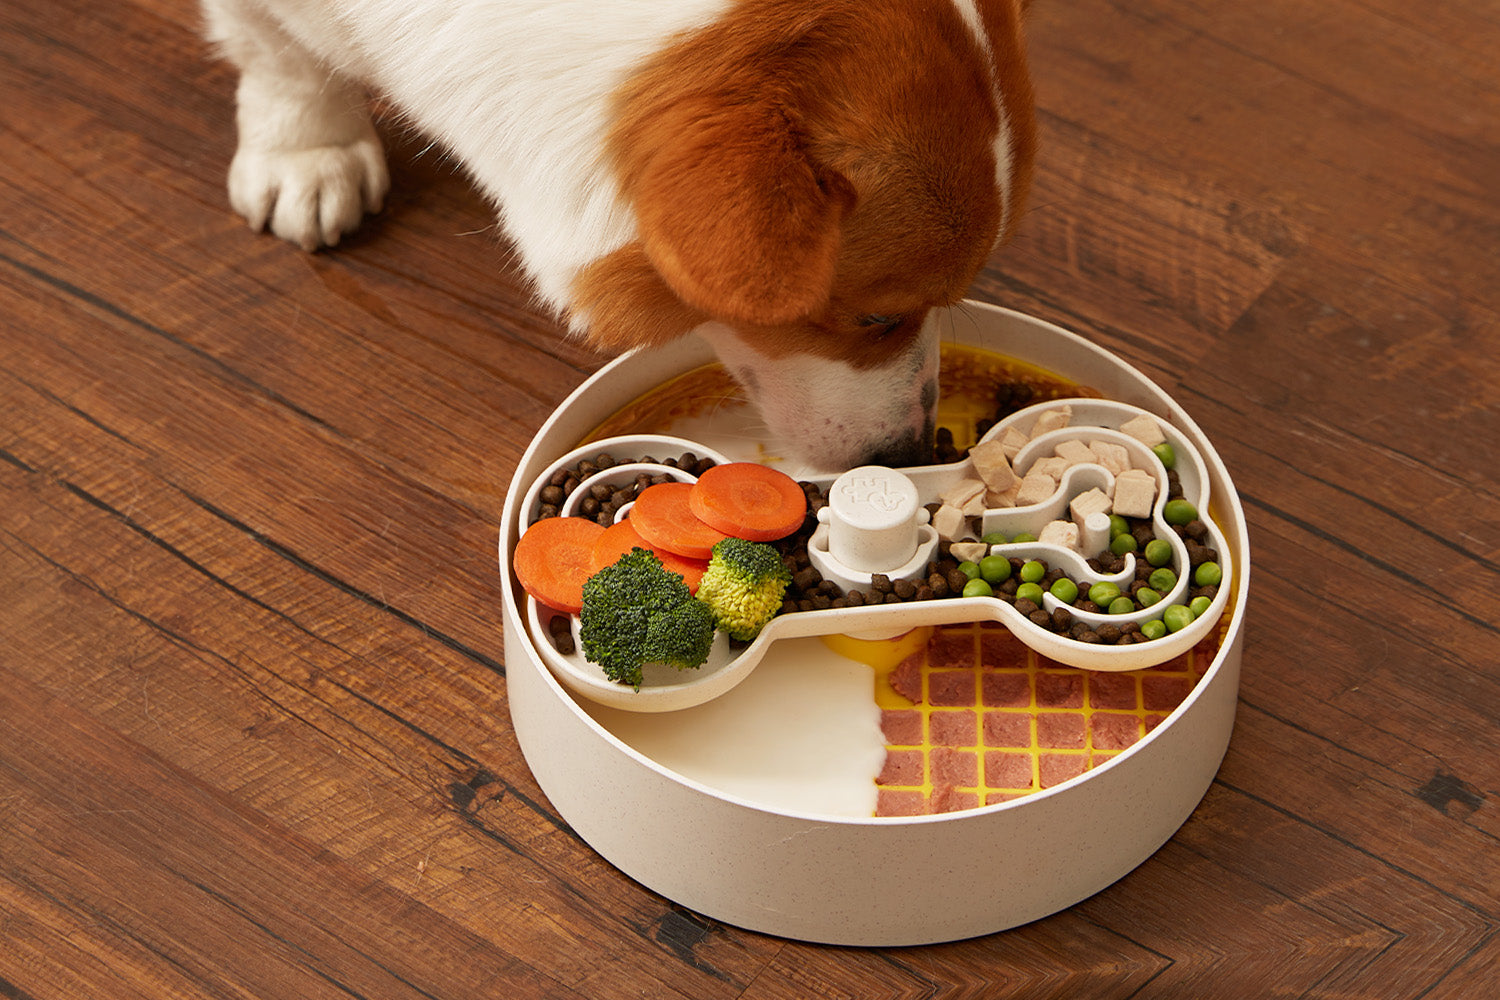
column 914, row 449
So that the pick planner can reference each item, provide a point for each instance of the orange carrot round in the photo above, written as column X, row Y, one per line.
column 750, row 501
column 621, row 537
column 554, row 558
column 665, row 520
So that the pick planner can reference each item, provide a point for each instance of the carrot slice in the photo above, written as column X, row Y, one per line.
column 662, row 516
column 554, row 558
column 749, row 500
column 621, row 537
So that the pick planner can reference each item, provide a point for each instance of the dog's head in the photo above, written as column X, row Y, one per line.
column 809, row 180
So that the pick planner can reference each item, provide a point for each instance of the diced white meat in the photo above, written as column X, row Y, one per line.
column 1135, row 491
column 992, row 465
column 1050, row 420
column 1084, row 504
column 1145, row 428
column 1036, row 487
column 1074, row 452
column 1061, row 533
column 949, row 522
column 1112, row 456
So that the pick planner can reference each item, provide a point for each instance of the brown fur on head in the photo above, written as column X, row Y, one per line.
column 796, row 172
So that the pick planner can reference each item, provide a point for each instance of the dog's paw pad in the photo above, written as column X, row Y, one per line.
column 310, row 197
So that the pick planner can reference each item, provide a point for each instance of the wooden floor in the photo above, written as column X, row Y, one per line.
column 254, row 739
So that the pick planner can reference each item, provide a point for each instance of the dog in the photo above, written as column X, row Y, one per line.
column 798, row 181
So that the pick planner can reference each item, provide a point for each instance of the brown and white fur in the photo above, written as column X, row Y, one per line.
column 800, row 181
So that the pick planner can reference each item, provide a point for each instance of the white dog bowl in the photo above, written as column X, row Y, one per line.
column 815, row 875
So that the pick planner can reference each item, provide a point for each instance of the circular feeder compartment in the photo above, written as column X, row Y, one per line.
column 875, row 881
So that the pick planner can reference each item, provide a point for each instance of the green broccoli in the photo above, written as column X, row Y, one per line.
column 744, row 586
column 636, row 612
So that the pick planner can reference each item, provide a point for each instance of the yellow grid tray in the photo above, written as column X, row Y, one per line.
column 972, row 716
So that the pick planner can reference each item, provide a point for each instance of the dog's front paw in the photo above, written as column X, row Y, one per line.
column 312, row 196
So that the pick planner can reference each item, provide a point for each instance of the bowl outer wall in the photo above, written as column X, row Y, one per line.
column 878, row 881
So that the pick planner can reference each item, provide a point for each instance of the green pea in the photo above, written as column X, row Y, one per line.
column 1103, row 592
column 1121, row 605
column 1033, row 570
column 1179, row 511
column 1154, row 629
column 1158, row 552
column 1164, row 452
column 1177, row 617
column 1208, row 574
column 1030, row 592
column 1199, row 606
column 1024, row 536
column 1121, row 544
column 994, row 569
column 1065, row 590
column 1118, row 526
column 978, row 588
column 1146, row 597
column 1162, row 579
column 969, row 569
column 994, row 538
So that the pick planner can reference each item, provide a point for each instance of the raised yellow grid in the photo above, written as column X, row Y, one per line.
column 991, row 720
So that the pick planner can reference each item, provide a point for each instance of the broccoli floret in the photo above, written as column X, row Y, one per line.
column 744, row 586
column 636, row 612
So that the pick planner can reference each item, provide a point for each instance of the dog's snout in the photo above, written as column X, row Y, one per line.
column 914, row 448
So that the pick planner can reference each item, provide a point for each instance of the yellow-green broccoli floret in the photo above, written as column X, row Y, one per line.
column 637, row 611
column 744, row 586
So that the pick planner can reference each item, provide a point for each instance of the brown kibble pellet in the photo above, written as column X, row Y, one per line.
column 924, row 593
column 1108, row 633
column 1062, row 619
column 1040, row 617
column 957, row 580
column 563, row 643
column 904, row 589
column 807, row 579
column 1026, row 607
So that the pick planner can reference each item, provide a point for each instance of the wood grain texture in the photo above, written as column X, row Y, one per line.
column 253, row 728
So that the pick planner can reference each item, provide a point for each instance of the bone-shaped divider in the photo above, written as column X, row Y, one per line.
column 1099, row 420
column 667, row 689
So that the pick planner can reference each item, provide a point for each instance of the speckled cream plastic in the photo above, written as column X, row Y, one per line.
column 876, row 881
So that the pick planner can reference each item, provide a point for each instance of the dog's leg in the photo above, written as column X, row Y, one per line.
column 309, row 163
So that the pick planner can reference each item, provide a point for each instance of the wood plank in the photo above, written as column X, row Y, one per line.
column 255, row 732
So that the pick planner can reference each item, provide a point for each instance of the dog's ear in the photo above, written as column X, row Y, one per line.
column 735, row 216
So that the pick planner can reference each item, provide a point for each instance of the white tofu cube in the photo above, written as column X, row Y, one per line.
column 1112, row 456
column 1145, row 429
column 1036, row 487
column 1093, row 502
column 993, row 466
column 1050, row 420
column 1049, row 466
column 949, row 522
column 1002, row 499
column 1063, row 533
column 1013, row 440
column 968, row 551
column 962, row 492
column 1074, row 452
column 1135, row 491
